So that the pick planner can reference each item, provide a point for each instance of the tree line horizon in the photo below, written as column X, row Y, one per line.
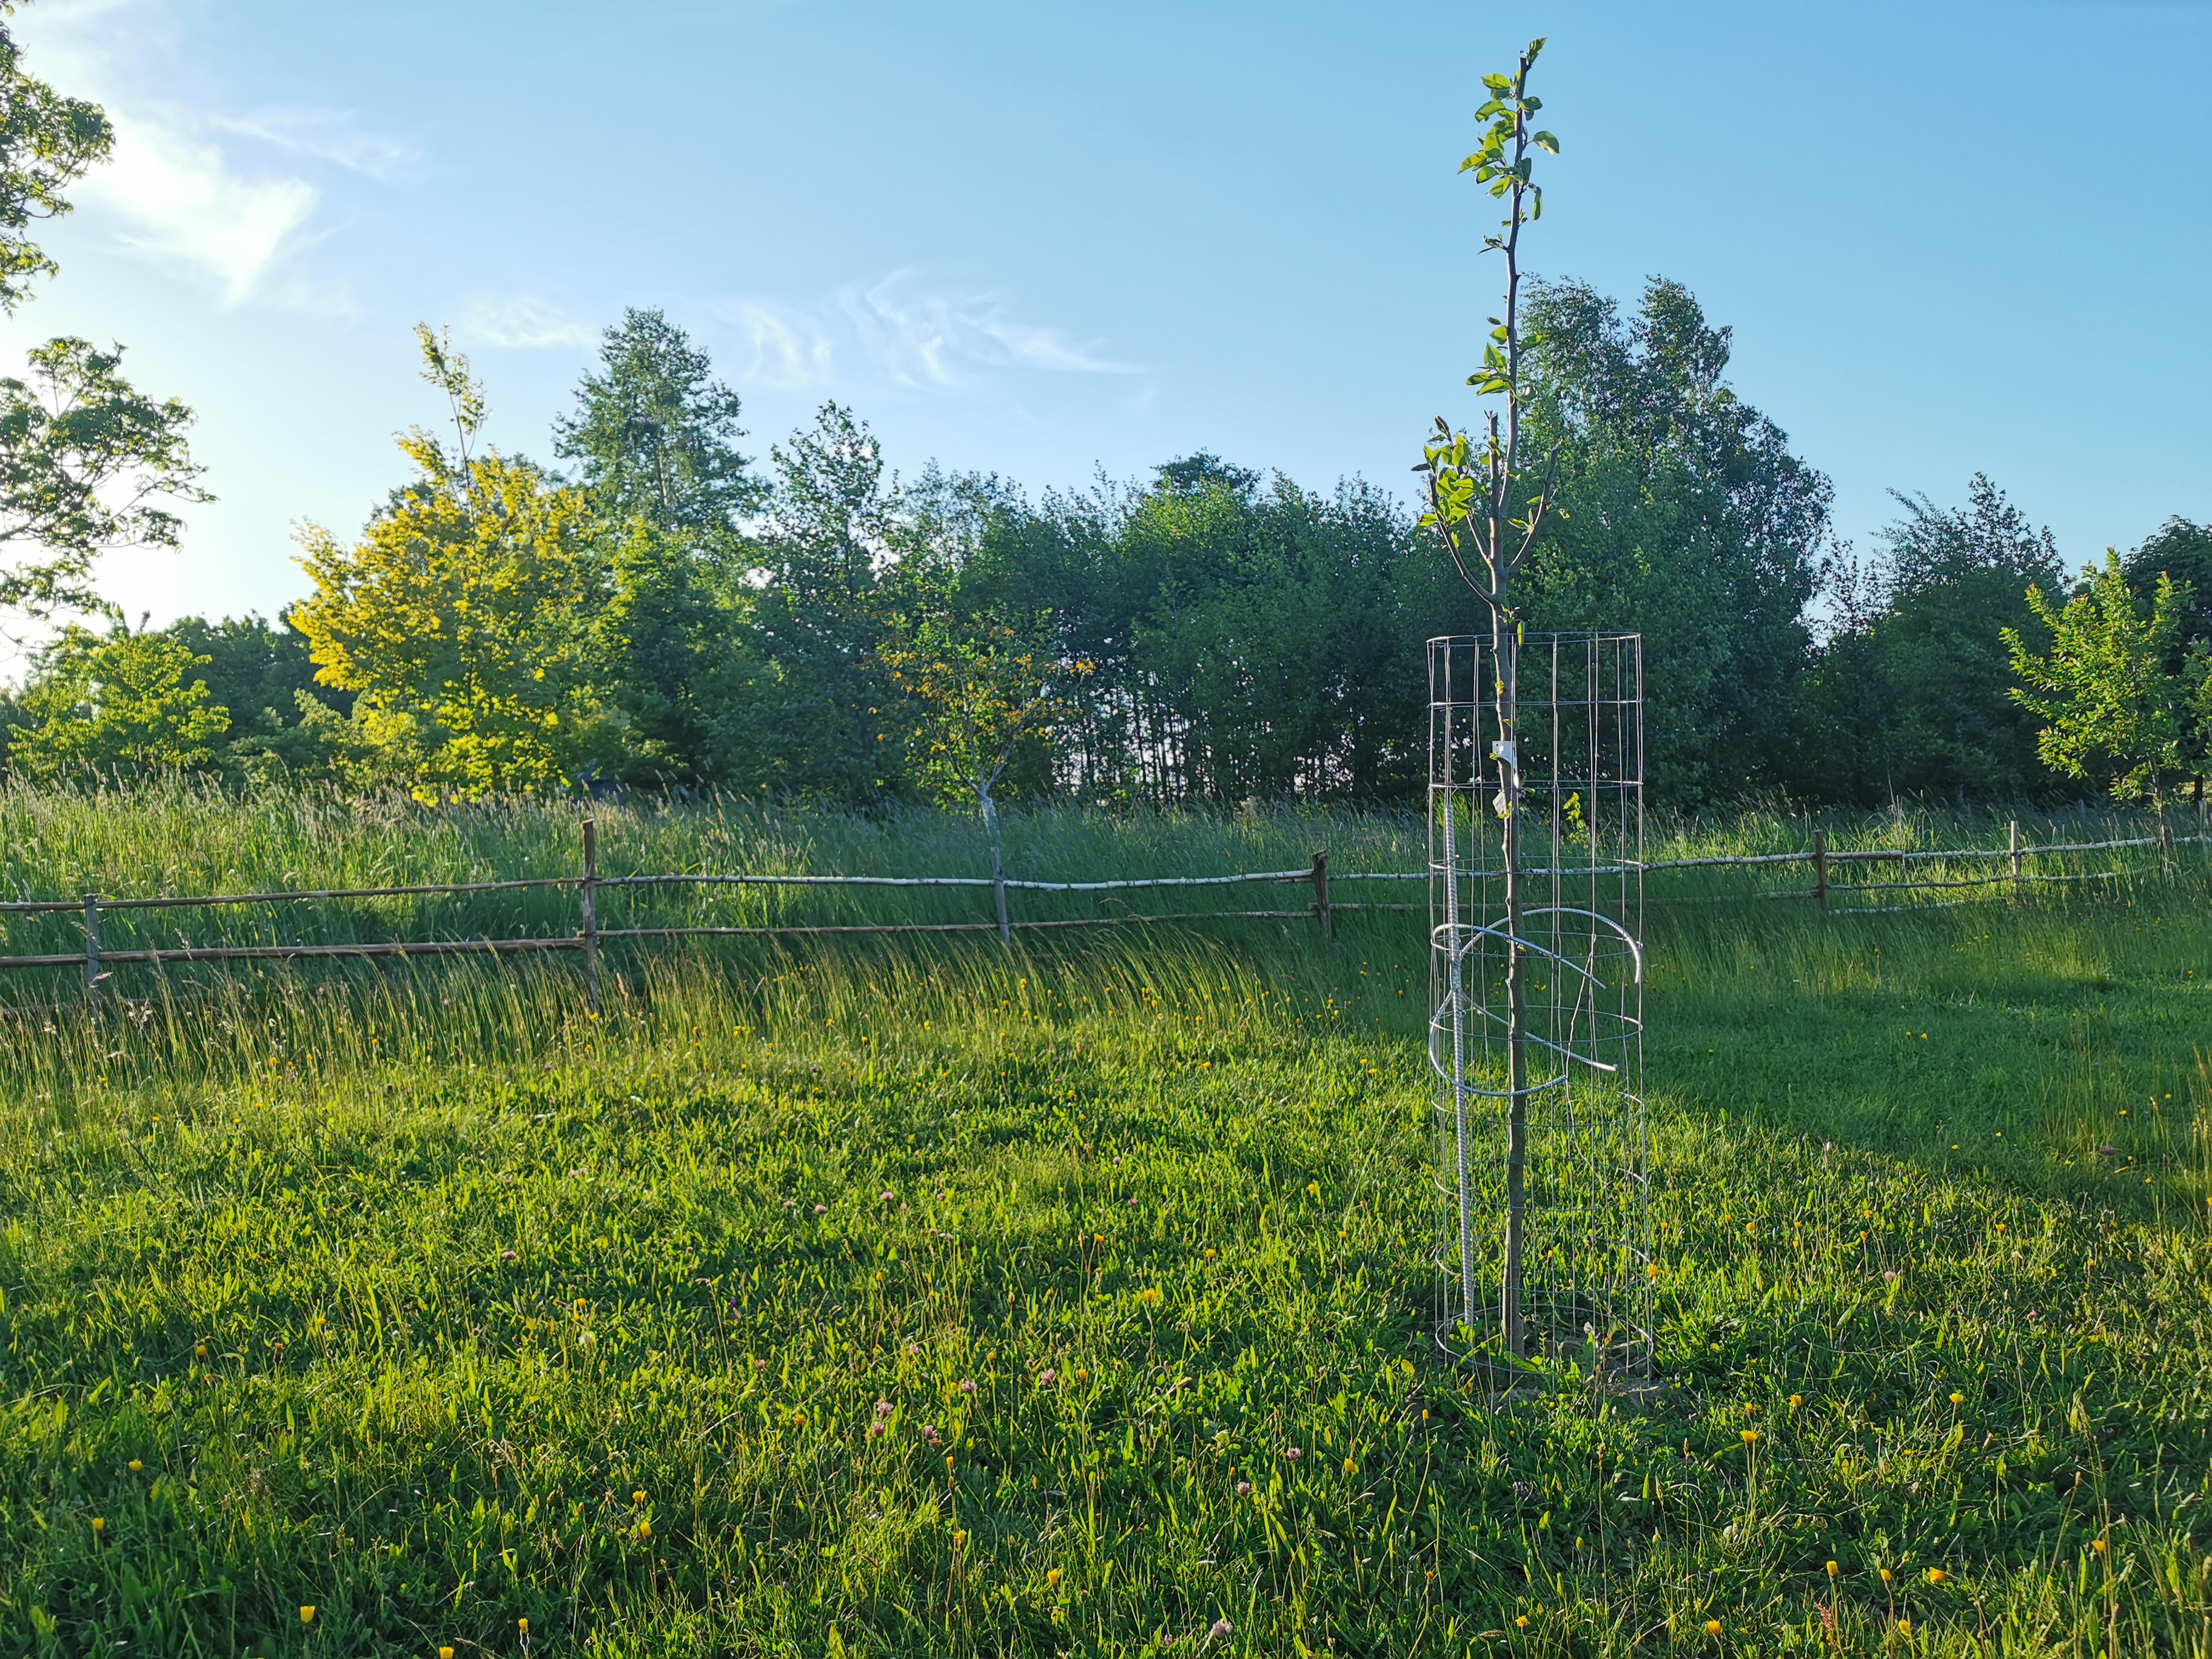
column 669, row 614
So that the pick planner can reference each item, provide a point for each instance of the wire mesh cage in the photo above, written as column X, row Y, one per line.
column 1535, row 910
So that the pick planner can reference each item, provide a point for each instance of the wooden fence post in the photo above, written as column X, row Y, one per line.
column 2012, row 844
column 92, row 953
column 1820, row 868
column 1321, row 911
column 591, row 908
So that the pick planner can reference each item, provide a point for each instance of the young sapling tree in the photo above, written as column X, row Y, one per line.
column 1486, row 509
column 978, row 685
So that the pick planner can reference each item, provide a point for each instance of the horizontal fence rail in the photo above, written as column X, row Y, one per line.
column 1010, row 884
column 98, row 961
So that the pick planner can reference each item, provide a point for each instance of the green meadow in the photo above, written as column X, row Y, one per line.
column 913, row 1296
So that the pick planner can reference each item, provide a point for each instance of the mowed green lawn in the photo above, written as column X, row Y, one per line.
column 894, row 1300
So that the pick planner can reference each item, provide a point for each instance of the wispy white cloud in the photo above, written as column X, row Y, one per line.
column 926, row 340
column 224, row 194
column 1050, row 349
column 791, row 348
column 180, row 199
column 524, row 322
column 326, row 136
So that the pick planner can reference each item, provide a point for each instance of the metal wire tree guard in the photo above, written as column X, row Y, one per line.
column 1535, row 910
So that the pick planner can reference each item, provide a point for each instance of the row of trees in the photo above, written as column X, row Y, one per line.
column 664, row 612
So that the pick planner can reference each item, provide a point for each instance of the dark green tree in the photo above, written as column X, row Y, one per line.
column 1242, row 641
column 255, row 668
column 655, row 435
column 1271, row 651
column 828, row 531
column 655, row 438
column 1200, row 471
column 1909, row 694
column 282, row 723
column 2183, row 550
column 1678, row 513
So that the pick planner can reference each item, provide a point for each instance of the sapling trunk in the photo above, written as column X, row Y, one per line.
column 998, row 866
column 1511, row 1319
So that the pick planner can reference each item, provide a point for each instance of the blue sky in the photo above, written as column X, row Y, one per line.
column 1046, row 239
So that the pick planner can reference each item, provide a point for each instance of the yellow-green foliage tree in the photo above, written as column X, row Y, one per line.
column 115, row 705
column 462, row 619
column 979, row 687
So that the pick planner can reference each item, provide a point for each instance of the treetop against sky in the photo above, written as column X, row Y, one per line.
column 1040, row 242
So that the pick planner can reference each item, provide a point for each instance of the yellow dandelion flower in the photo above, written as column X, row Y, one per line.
column 1350, row 1467
column 136, row 1466
column 1749, row 1436
column 1713, row 1627
column 1052, row 1578
column 1833, row 1569
column 637, row 1497
column 1904, row 1627
column 1521, row 1620
column 1934, row 1574
column 1885, row 1575
column 307, row 1615
column 1958, row 1400
column 445, row 1653
column 98, row 1524
column 1796, row 1401
column 2096, row 1544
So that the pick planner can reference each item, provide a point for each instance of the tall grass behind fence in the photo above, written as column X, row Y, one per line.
column 180, row 838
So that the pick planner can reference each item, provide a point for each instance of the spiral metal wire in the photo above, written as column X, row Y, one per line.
column 1544, row 1258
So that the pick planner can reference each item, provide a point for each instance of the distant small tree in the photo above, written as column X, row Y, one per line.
column 2107, row 689
column 115, row 704
column 979, row 687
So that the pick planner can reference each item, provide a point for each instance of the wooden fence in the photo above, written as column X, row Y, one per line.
column 1830, row 869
